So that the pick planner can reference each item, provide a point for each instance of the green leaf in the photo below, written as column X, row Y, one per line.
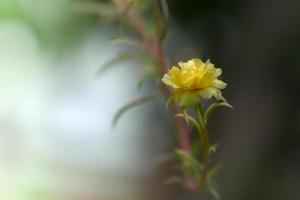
column 214, row 171
column 122, row 57
column 123, row 15
column 165, row 10
column 127, row 41
column 132, row 104
column 190, row 163
column 213, row 148
column 143, row 79
column 190, row 119
column 160, row 14
column 150, row 73
column 173, row 180
column 214, row 193
column 127, row 8
column 213, row 106
column 169, row 101
column 185, row 115
column 210, row 92
column 166, row 158
column 104, row 10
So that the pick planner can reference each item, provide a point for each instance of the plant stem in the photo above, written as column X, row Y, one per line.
column 205, row 145
column 154, row 46
column 182, row 128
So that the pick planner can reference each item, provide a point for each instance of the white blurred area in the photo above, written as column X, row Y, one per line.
column 56, row 140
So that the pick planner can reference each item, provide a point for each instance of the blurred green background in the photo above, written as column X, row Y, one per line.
column 56, row 141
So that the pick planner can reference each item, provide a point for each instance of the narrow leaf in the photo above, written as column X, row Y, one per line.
column 143, row 79
column 123, row 15
column 189, row 160
column 214, row 193
column 214, row 171
column 127, row 41
column 166, row 158
column 190, row 164
column 127, row 8
column 122, row 57
column 165, row 10
column 213, row 106
column 169, row 101
column 191, row 119
column 132, row 104
column 161, row 15
column 213, row 148
column 185, row 115
column 173, row 180
column 149, row 73
column 105, row 10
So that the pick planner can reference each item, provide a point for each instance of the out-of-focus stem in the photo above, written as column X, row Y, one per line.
column 182, row 128
column 155, row 48
column 184, row 137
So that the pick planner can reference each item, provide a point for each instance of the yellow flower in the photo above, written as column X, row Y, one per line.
column 192, row 79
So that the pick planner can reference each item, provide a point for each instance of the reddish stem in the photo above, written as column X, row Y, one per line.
column 184, row 137
column 154, row 47
column 182, row 128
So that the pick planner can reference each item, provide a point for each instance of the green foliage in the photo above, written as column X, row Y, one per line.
column 146, row 76
column 165, row 10
column 202, row 174
column 122, row 57
column 190, row 164
column 212, row 108
column 213, row 148
column 173, row 180
column 107, row 11
column 190, row 119
column 161, row 18
column 133, row 103
column 128, row 42
column 214, row 193
column 149, row 21
column 149, row 73
column 214, row 171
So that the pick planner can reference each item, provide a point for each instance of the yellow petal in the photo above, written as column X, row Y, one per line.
column 195, row 77
column 219, row 84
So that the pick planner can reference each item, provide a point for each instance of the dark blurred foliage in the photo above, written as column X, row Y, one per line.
column 257, row 44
